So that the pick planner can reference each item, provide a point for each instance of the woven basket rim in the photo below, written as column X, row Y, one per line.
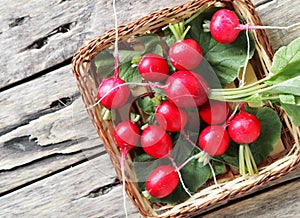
column 81, row 64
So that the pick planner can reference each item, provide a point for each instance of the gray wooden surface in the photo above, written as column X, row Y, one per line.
column 52, row 163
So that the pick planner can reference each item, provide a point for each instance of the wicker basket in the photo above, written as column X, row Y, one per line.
column 235, row 186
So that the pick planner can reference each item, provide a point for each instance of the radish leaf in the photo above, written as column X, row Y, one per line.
column 129, row 74
column 292, row 110
column 286, row 63
column 270, row 133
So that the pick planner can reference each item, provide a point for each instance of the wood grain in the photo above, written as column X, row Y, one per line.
column 279, row 201
column 85, row 190
column 47, row 136
column 35, row 98
column 39, row 35
column 282, row 14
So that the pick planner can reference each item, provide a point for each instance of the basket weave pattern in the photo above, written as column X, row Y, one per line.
column 233, row 186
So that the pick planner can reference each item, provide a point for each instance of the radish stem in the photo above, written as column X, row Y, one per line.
column 179, row 175
column 242, row 82
column 214, row 175
column 246, row 161
column 123, row 158
column 185, row 135
column 242, row 160
column 249, row 27
column 116, row 49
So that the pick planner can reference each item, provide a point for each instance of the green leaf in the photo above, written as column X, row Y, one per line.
column 292, row 110
column 195, row 175
column 127, row 55
column 104, row 62
column 218, row 167
column 150, row 43
column 270, row 133
column 129, row 74
column 225, row 59
column 286, row 62
column 146, row 104
column 289, row 86
column 231, row 155
column 287, row 99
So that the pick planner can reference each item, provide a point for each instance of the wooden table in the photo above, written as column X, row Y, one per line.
column 52, row 163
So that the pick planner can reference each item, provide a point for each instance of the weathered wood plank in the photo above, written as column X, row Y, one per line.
column 28, row 101
column 36, row 170
column 76, row 192
column 55, row 133
column 280, row 201
column 280, row 13
column 45, row 128
column 40, row 34
column 95, row 193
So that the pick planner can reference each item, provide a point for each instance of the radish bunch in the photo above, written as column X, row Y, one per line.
column 182, row 90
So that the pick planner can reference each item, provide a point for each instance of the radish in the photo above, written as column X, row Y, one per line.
column 111, row 97
column 214, row 112
column 156, row 142
column 170, row 117
column 162, row 181
column 113, row 92
column 126, row 135
column 186, row 89
column 225, row 26
column 214, row 140
column 185, row 54
column 153, row 67
column 244, row 128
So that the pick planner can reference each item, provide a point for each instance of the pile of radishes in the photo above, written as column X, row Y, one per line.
column 182, row 91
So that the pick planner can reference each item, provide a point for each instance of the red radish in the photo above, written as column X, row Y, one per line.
column 162, row 181
column 186, row 89
column 111, row 94
column 153, row 67
column 185, row 54
column 225, row 26
column 214, row 140
column 170, row 117
column 244, row 128
column 126, row 135
column 214, row 112
column 156, row 142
